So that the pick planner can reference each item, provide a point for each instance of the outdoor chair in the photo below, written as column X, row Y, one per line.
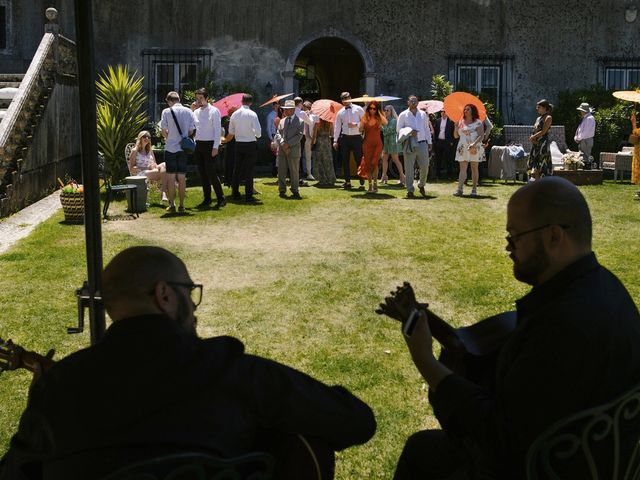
column 599, row 443
column 619, row 162
column 198, row 466
column 131, row 190
column 127, row 154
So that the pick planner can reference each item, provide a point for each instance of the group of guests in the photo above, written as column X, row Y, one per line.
column 151, row 387
column 372, row 135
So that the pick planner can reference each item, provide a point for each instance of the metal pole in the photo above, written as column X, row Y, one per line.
column 93, row 227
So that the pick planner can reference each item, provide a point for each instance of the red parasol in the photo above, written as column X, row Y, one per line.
column 431, row 106
column 224, row 104
column 455, row 102
column 326, row 109
column 275, row 99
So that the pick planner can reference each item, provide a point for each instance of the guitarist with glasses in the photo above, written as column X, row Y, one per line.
column 152, row 387
column 575, row 345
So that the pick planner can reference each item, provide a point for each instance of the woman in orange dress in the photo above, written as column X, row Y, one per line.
column 371, row 124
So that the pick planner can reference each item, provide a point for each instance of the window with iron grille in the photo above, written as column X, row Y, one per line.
column 490, row 75
column 171, row 70
column 619, row 73
column 5, row 25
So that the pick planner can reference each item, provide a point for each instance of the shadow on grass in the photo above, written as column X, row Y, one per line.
column 479, row 197
column 372, row 196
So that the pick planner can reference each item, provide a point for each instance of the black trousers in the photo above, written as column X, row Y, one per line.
column 444, row 159
column 246, row 156
column 430, row 454
column 206, row 169
column 348, row 144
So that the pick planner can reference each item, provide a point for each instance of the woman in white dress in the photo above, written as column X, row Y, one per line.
column 470, row 132
column 142, row 161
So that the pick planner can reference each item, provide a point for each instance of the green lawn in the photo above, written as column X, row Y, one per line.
column 298, row 282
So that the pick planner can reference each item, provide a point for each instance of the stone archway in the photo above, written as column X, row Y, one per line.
column 340, row 62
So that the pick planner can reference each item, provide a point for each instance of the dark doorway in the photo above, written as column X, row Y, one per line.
column 328, row 66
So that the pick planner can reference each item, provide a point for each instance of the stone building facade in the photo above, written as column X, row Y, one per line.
column 516, row 50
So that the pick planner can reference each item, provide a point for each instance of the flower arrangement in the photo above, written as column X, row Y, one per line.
column 71, row 186
column 572, row 160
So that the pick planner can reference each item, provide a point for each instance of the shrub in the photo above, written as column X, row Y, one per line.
column 120, row 116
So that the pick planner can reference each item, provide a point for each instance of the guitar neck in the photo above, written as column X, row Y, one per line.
column 13, row 357
column 444, row 333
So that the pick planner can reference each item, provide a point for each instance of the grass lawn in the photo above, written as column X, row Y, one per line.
column 298, row 282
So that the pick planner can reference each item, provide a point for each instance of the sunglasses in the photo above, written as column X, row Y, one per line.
column 511, row 238
column 146, row 136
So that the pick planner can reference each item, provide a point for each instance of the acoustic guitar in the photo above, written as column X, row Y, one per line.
column 470, row 351
column 297, row 457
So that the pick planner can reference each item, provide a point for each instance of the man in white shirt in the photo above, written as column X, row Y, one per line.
column 244, row 126
column 585, row 133
column 346, row 135
column 208, row 130
column 176, row 123
column 417, row 146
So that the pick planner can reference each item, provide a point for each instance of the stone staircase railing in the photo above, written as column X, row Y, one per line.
column 54, row 63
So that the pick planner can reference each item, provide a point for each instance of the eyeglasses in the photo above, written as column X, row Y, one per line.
column 511, row 238
column 146, row 136
column 195, row 291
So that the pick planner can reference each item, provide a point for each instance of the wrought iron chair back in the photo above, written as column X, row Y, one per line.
column 199, row 466
column 127, row 154
column 599, row 443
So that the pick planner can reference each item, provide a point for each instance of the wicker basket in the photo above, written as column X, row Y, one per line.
column 73, row 206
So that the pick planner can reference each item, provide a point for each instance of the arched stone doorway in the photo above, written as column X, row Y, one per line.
column 327, row 63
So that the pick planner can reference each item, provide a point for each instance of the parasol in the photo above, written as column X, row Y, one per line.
column 455, row 102
column 628, row 95
column 379, row 98
column 275, row 99
column 326, row 109
column 431, row 106
column 225, row 103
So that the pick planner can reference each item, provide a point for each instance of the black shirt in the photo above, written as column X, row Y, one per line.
column 576, row 345
column 149, row 388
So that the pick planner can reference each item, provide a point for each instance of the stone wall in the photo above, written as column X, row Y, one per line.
column 554, row 45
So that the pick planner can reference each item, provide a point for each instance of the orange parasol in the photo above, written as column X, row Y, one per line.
column 326, row 109
column 455, row 102
column 225, row 104
column 275, row 99
column 431, row 106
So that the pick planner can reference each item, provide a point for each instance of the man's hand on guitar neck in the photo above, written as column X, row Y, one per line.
column 399, row 306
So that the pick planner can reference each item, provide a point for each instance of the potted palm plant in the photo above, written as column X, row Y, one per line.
column 120, row 115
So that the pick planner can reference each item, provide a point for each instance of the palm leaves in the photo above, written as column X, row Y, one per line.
column 119, row 115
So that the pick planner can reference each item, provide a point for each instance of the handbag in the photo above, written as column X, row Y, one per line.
column 187, row 143
column 633, row 139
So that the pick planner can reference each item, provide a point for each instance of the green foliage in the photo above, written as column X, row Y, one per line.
column 440, row 87
column 120, row 115
column 612, row 117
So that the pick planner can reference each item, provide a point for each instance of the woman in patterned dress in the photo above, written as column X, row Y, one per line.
column 325, row 174
column 469, row 151
column 390, row 147
column 540, row 157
